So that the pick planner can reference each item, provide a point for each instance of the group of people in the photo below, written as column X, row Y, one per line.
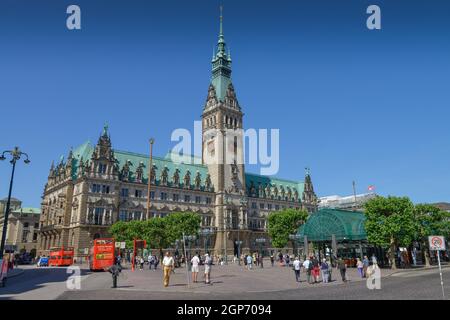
column 151, row 260
column 363, row 265
column 313, row 268
column 169, row 266
column 250, row 260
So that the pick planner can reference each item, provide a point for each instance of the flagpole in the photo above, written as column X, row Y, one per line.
column 354, row 194
column 149, row 176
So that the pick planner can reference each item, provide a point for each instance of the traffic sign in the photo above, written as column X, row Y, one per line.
column 122, row 245
column 117, row 244
column 436, row 243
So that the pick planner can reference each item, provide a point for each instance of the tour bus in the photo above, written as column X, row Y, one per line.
column 102, row 254
column 60, row 256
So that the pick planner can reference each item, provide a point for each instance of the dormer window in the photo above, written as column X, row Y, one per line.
column 102, row 168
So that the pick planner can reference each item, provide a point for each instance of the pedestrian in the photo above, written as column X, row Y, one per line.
column 156, row 261
column 296, row 266
column 194, row 262
column 374, row 259
column 324, row 269
column 307, row 265
column 168, row 265
column 245, row 259
column 316, row 269
column 249, row 262
column 272, row 259
column 208, row 264
column 151, row 261
column 114, row 270
column 342, row 266
column 261, row 264
column 280, row 258
column 365, row 266
column 141, row 263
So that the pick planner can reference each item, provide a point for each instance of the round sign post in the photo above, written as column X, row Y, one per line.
column 437, row 243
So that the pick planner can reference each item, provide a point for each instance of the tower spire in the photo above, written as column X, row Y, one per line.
column 221, row 20
column 221, row 64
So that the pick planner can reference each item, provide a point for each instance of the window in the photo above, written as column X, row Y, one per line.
column 163, row 196
column 277, row 207
column 35, row 235
column 102, row 168
column 176, row 197
column 123, row 215
column 105, row 189
column 25, row 225
column 124, row 193
column 152, row 195
column 137, row 215
column 261, row 206
column 187, row 198
column 138, row 193
column 95, row 188
column 269, row 206
column 208, row 200
column 25, row 236
column 254, row 205
column 36, row 225
column 198, row 199
column 98, row 216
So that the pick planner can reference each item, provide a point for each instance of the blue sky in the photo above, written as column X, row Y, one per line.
column 352, row 104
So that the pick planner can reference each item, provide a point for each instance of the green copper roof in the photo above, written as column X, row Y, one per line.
column 221, row 66
column 345, row 225
column 264, row 180
column 29, row 210
column 86, row 149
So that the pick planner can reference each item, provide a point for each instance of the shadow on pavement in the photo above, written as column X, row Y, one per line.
column 33, row 279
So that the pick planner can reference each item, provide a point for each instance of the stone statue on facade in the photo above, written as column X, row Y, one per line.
column 198, row 180
column 187, row 180
column 176, row 178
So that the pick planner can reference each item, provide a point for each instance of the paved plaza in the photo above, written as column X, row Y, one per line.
column 228, row 282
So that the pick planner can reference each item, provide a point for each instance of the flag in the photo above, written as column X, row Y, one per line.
column 371, row 188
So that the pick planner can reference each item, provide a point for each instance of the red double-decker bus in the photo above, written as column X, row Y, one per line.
column 102, row 254
column 60, row 256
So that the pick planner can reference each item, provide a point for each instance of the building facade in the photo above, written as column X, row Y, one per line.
column 353, row 202
column 98, row 185
column 23, row 226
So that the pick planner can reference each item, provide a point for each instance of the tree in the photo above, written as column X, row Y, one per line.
column 430, row 220
column 283, row 223
column 390, row 223
column 179, row 223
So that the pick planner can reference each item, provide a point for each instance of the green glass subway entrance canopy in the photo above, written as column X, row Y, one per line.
column 344, row 225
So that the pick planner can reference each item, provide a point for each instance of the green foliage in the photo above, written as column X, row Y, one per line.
column 283, row 223
column 158, row 232
column 430, row 220
column 179, row 223
column 390, row 219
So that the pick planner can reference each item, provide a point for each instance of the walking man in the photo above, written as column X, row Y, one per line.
column 208, row 263
column 194, row 262
column 342, row 268
column 324, row 268
column 308, row 267
column 365, row 266
column 297, row 266
column 249, row 262
column 168, row 265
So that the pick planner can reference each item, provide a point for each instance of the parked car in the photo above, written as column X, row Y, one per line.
column 42, row 262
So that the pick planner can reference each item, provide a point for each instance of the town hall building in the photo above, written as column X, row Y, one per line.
column 98, row 185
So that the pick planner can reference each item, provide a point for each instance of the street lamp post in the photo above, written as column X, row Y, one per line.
column 261, row 241
column 152, row 141
column 238, row 244
column 206, row 233
column 16, row 154
column 189, row 239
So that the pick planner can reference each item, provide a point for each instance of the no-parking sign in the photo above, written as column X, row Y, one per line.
column 436, row 243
